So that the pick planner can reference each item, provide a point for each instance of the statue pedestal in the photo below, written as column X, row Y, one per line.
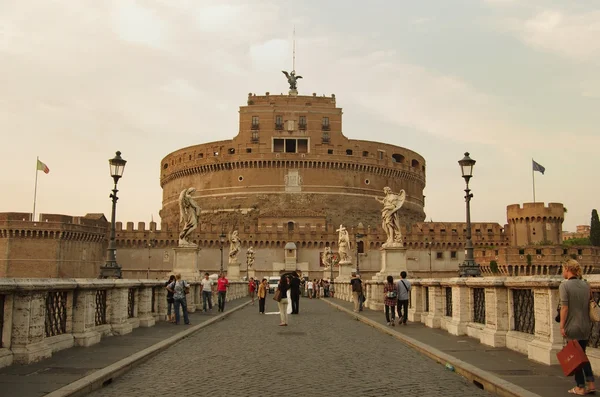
column 293, row 92
column 251, row 273
column 186, row 262
column 345, row 270
column 233, row 271
column 393, row 262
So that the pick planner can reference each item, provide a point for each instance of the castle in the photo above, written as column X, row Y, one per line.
column 290, row 175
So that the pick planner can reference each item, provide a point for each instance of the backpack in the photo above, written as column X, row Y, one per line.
column 356, row 285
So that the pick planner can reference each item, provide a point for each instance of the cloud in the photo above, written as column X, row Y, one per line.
column 569, row 34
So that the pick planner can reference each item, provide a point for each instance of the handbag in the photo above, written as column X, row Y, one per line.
column 571, row 357
column 277, row 296
column 594, row 311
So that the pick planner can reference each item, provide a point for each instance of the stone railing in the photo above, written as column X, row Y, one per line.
column 41, row 316
column 531, row 270
column 513, row 312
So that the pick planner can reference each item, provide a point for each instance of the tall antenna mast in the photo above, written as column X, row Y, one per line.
column 294, row 52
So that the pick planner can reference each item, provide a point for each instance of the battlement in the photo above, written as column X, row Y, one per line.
column 533, row 211
column 298, row 100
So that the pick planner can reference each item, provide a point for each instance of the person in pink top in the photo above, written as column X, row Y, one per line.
column 222, row 285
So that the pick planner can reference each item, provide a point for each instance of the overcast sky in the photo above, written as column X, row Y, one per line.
column 506, row 80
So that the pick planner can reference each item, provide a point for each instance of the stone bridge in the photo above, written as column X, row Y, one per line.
column 476, row 337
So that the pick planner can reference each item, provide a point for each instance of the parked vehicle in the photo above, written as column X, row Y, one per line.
column 273, row 282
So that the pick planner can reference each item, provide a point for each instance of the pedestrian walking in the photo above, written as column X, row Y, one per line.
column 310, row 287
column 222, row 285
column 180, row 288
column 170, row 314
column 207, row 292
column 390, row 298
column 262, row 295
column 295, row 293
column 251, row 288
column 403, row 287
column 284, row 301
column 575, row 323
column 356, row 284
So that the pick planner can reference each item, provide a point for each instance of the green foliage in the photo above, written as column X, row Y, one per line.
column 595, row 229
column 528, row 259
column 577, row 241
column 494, row 266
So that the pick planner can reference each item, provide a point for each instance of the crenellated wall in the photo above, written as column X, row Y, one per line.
column 535, row 223
column 54, row 246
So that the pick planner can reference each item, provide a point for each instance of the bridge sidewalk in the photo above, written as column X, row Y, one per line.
column 508, row 365
column 70, row 365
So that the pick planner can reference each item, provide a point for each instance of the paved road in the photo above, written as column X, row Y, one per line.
column 323, row 352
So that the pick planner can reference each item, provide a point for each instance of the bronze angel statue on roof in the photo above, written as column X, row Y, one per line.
column 292, row 78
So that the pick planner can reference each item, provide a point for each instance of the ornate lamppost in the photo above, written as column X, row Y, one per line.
column 358, row 235
column 468, row 268
column 222, row 241
column 111, row 269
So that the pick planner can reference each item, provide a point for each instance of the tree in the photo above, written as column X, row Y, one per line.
column 595, row 229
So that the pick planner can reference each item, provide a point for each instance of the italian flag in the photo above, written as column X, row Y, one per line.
column 42, row 167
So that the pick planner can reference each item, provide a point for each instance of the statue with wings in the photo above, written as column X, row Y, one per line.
column 292, row 79
column 390, row 215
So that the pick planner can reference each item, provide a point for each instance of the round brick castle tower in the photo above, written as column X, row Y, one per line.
column 290, row 158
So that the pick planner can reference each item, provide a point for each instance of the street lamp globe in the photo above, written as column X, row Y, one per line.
column 117, row 166
column 466, row 166
column 222, row 238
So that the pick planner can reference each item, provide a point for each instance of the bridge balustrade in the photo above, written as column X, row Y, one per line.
column 39, row 317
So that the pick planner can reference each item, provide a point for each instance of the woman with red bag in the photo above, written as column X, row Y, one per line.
column 575, row 323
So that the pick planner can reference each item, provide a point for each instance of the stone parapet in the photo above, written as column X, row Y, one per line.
column 513, row 312
column 43, row 316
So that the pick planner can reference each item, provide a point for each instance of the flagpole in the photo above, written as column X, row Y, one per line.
column 533, row 178
column 35, row 189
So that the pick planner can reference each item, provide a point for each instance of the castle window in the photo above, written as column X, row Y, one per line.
column 279, row 122
column 248, row 150
column 290, row 226
column 380, row 154
column 215, row 153
column 348, row 152
column 496, row 252
column 302, row 145
column 439, row 255
column 483, row 253
column 254, row 122
column 397, row 158
column 477, row 230
column 423, row 168
column 579, row 252
column 165, row 166
column 190, row 157
column 365, row 154
column 302, row 123
column 231, row 151
column 200, row 155
column 290, row 146
column 565, row 251
column 254, row 136
column 415, row 163
column 521, row 252
column 442, row 230
column 325, row 137
column 490, row 231
column 329, row 151
column 278, row 145
column 453, row 230
column 240, row 178
column 325, row 124
column 360, row 247
column 367, row 181
column 453, row 254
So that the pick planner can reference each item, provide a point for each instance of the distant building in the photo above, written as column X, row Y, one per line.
column 583, row 231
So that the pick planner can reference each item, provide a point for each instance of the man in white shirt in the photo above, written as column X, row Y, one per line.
column 207, row 292
column 403, row 297
column 311, row 287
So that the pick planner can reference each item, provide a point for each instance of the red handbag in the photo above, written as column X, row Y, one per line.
column 571, row 357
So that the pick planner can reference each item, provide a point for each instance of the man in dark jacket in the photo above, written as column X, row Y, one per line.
column 295, row 293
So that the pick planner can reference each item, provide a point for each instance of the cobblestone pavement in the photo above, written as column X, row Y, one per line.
column 323, row 352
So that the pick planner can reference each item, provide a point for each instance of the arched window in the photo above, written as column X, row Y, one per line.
column 397, row 158
column 360, row 246
column 349, row 152
column 290, row 226
column 415, row 163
